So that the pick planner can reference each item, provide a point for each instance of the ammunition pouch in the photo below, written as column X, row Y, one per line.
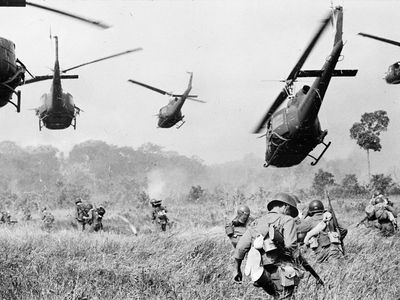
column 334, row 237
column 313, row 243
column 229, row 230
column 289, row 276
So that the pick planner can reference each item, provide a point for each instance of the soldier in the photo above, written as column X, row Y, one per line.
column 236, row 228
column 278, row 275
column 381, row 213
column 95, row 218
column 159, row 214
column 48, row 220
column 5, row 218
column 320, row 233
column 81, row 212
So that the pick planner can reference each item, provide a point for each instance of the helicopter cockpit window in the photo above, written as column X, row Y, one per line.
column 277, row 121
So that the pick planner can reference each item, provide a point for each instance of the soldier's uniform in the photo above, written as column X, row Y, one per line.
column 159, row 214
column 95, row 219
column 81, row 213
column 381, row 214
column 325, row 243
column 237, row 227
column 280, row 274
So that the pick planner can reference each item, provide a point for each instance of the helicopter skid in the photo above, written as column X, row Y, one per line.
column 180, row 125
column 316, row 160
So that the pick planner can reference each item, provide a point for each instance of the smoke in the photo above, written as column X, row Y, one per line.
column 156, row 184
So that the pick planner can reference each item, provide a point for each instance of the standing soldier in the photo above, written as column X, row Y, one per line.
column 48, row 219
column 237, row 227
column 95, row 218
column 81, row 212
column 320, row 233
column 159, row 213
column 277, row 272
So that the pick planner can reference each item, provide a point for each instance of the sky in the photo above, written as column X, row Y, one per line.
column 236, row 49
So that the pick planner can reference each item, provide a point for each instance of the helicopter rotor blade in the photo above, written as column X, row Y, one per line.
column 64, row 13
column 150, row 87
column 292, row 76
column 196, row 100
column 379, row 39
column 101, row 59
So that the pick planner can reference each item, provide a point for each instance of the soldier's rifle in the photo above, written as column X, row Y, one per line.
column 277, row 237
column 335, row 221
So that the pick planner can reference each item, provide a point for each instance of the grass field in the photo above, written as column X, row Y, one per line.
column 192, row 260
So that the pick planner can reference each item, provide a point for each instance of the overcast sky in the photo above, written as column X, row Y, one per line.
column 231, row 46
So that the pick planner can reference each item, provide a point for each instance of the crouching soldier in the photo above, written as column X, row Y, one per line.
column 159, row 214
column 381, row 213
column 237, row 227
column 271, row 267
column 320, row 233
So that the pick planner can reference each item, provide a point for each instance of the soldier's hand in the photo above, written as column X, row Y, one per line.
column 320, row 283
column 238, row 277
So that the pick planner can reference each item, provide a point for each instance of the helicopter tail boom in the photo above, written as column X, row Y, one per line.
column 338, row 15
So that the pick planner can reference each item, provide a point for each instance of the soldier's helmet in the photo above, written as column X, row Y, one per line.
column 315, row 206
column 155, row 202
column 287, row 199
column 101, row 211
column 78, row 200
column 243, row 213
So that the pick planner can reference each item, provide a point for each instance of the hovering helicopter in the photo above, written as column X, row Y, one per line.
column 392, row 76
column 293, row 132
column 58, row 110
column 12, row 70
column 171, row 114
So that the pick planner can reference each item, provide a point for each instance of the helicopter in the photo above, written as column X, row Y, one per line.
column 12, row 70
column 171, row 114
column 58, row 110
column 392, row 76
column 293, row 132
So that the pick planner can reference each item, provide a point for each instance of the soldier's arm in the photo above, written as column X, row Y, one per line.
column 244, row 245
column 342, row 231
column 90, row 215
column 290, row 235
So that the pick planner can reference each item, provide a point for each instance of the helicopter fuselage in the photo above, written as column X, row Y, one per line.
column 171, row 114
column 393, row 74
column 57, row 113
column 11, row 73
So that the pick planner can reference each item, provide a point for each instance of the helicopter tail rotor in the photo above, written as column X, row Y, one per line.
column 292, row 76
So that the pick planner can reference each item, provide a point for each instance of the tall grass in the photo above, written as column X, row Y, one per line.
column 193, row 260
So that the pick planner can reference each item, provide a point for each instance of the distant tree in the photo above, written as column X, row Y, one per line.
column 367, row 131
column 381, row 183
column 351, row 186
column 322, row 179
